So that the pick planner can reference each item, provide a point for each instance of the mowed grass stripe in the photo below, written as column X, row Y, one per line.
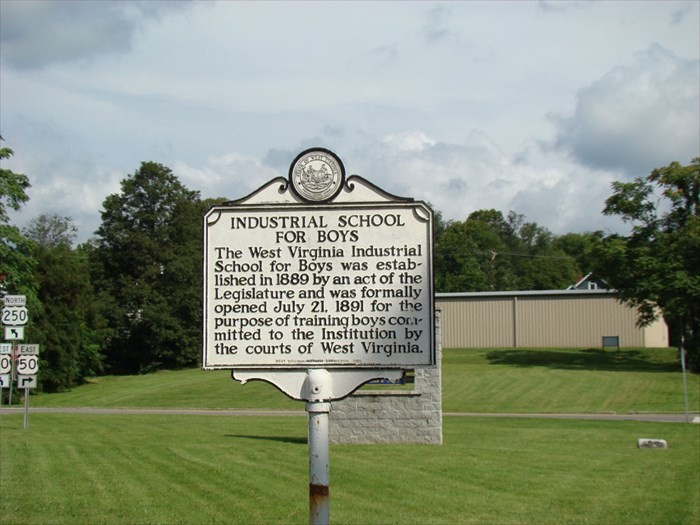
column 474, row 380
column 565, row 380
column 201, row 470
column 515, row 471
column 119, row 469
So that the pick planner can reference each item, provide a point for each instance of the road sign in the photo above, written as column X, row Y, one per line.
column 28, row 349
column 14, row 333
column 15, row 300
column 25, row 381
column 27, row 364
column 15, row 315
column 5, row 363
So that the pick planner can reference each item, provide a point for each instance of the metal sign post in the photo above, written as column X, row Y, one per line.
column 12, row 373
column 317, row 285
column 26, row 408
column 319, row 463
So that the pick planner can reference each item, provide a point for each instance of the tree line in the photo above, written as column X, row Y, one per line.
column 129, row 299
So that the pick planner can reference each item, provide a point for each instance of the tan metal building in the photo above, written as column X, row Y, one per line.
column 548, row 318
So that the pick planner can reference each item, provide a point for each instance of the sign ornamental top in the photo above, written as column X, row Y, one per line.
column 318, row 272
column 317, row 175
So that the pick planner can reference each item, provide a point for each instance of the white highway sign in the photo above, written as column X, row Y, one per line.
column 28, row 349
column 5, row 363
column 15, row 315
column 26, row 381
column 15, row 300
column 14, row 333
column 27, row 364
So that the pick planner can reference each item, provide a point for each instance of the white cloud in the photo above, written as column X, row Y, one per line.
column 37, row 33
column 231, row 175
column 409, row 141
column 446, row 102
column 639, row 116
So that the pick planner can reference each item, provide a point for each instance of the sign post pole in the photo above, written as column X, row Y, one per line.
column 26, row 408
column 319, row 463
column 319, row 391
column 12, row 373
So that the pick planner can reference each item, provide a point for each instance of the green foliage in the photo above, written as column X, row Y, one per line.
column 489, row 252
column 16, row 265
column 579, row 246
column 657, row 267
column 65, row 326
column 146, row 265
column 13, row 188
column 51, row 230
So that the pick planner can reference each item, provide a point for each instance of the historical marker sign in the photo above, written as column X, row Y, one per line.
column 340, row 284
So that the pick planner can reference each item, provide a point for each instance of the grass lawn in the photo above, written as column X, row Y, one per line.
column 565, row 380
column 117, row 469
column 474, row 380
column 170, row 469
column 192, row 388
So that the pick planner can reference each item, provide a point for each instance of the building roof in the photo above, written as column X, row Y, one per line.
column 517, row 293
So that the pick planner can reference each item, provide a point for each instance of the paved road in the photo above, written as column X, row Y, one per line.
column 666, row 418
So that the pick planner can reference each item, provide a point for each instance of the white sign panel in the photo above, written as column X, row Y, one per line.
column 5, row 381
column 28, row 349
column 24, row 381
column 14, row 333
column 304, row 286
column 15, row 315
column 5, row 363
column 15, row 300
column 27, row 364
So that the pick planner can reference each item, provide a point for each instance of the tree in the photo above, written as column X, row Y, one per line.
column 657, row 267
column 146, row 266
column 16, row 266
column 66, row 326
column 539, row 264
column 463, row 257
column 13, row 187
column 51, row 230
column 491, row 252
column 579, row 246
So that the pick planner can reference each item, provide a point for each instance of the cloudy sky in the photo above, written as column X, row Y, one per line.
column 534, row 107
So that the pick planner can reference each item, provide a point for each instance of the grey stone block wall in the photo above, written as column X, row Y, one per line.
column 398, row 416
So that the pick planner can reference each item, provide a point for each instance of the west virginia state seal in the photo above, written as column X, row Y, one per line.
column 317, row 175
